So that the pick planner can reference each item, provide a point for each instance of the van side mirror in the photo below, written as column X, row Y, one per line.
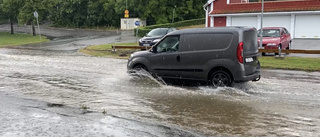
column 153, row 49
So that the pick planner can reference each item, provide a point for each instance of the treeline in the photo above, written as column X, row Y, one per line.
column 92, row 13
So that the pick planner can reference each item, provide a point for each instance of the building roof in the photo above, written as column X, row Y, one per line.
column 274, row 6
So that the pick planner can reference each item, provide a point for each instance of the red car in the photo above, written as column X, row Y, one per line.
column 275, row 38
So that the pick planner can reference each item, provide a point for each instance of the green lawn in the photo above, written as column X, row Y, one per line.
column 7, row 39
column 109, row 46
column 291, row 63
column 106, row 50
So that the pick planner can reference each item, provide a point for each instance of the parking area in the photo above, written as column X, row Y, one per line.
column 306, row 44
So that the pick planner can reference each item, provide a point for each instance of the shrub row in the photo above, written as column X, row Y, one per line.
column 144, row 30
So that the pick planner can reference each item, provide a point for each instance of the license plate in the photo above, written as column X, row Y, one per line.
column 249, row 59
column 261, row 47
column 146, row 44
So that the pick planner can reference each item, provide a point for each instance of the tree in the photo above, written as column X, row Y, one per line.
column 92, row 13
column 11, row 10
column 160, row 11
column 26, row 13
column 1, row 12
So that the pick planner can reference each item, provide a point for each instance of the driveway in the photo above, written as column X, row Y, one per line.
column 306, row 44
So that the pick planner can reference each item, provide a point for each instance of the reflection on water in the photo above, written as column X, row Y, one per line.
column 247, row 109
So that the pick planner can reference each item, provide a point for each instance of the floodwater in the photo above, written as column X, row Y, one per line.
column 283, row 103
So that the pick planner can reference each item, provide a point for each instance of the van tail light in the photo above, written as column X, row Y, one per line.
column 240, row 52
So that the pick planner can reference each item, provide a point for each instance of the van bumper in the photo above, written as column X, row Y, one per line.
column 254, row 77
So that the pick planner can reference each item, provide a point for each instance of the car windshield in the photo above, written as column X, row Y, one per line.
column 270, row 33
column 157, row 32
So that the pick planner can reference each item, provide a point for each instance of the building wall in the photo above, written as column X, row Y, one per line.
column 301, row 18
column 221, row 6
column 209, row 21
column 129, row 23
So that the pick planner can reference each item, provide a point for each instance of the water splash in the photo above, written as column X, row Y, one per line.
column 145, row 78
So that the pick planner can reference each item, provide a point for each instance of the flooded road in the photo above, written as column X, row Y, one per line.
column 283, row 103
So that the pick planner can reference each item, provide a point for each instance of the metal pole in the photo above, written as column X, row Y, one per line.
column 279, row 51
column 137, row 33
column 39, row 28
column 173, row 13
column 127, row 18
column 261, row 24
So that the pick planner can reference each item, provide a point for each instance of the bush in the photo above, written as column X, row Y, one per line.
column 144, row 30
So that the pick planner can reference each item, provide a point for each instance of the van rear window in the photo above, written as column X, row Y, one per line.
column 206, row 41
column 250, row 41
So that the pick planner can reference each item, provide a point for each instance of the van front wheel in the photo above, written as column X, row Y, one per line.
column 220, row 79
column 140, row 67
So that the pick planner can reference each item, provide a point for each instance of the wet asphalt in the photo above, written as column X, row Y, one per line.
column 44, row 90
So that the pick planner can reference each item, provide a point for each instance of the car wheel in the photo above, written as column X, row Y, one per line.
column 140, row 67
column 220, row 79
column 289, row 45
column 263, row 53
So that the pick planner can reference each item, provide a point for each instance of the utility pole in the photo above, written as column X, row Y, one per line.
column 36, row 15
column 173, row 13
column 261, row 24
column 126, row 18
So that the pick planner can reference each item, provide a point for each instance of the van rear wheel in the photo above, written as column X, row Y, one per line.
column 220, row 79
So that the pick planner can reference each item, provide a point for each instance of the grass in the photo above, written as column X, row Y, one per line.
column 291, row 63
column 106, row 50
column 7, row 39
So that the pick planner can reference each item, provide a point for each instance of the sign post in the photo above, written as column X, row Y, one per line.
column 36, row 15
column 261, row 25
column 126, row 15
column 137, row 23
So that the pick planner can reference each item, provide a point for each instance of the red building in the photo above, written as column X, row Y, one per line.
column 301, row 18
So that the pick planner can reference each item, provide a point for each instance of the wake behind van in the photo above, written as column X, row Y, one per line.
column 221, row 56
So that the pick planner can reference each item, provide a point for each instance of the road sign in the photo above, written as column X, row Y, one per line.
column 126, row 13
column 35, row 14
column 137, row 23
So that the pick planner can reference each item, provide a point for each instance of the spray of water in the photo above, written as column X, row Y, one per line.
column 144, row 76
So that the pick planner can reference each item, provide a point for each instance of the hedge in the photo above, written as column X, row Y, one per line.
column 144, row 30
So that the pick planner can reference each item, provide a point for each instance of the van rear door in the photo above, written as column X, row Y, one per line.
column 250, row 51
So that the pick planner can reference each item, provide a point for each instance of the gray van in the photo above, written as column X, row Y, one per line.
column 221, row 56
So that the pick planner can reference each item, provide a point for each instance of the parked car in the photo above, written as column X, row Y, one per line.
column 154, row 36
column 275, row 38
column 220, row 56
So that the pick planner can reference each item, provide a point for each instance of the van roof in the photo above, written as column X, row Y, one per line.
column 214, row 29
